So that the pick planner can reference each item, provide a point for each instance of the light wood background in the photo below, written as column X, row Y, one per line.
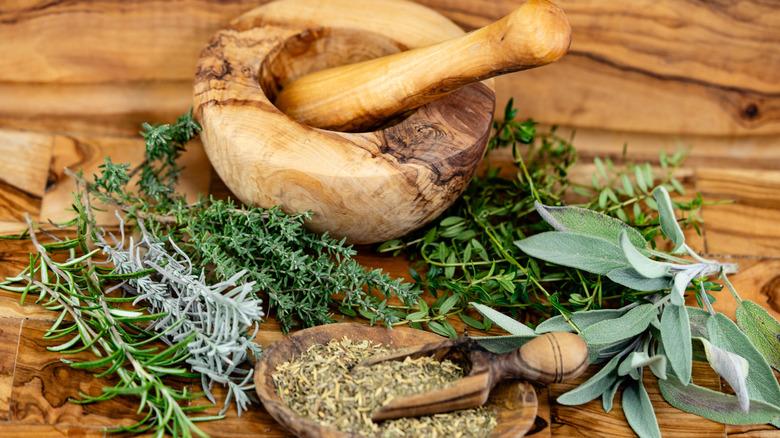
column 78, row 77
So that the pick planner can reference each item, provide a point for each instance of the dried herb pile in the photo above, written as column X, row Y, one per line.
column 324, row 385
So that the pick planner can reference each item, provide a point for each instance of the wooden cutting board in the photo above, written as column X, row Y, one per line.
column 634, row 75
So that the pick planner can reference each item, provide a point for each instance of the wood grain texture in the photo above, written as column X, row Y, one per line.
column 652, row 66
column 10, row 331
column 675, row 67
column 747, row 223
column 366, row 187
column 97, row 109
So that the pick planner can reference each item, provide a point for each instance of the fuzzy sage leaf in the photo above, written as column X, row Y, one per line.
column 762, row 329
column 588, row 222
column 639, row 410
column 592, row 254
column 732, row 368
column 510, row 325
column 676, row 338
column 669, row 225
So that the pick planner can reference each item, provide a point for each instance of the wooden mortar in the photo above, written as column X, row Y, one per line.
column 365, row 186
column 514, row 401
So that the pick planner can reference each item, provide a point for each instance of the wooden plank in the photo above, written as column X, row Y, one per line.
column 20, row 430
column 23, row 173
column 748, row 224
column 590, row 419
column 126, row 41
column 681, row 67
column 652, row 66
column 88, row 153
column 115, row 109
column 10, row 330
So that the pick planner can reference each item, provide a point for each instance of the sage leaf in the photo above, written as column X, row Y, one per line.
column 669, row 225
column 676, row 339
column 698, row 319
column 593, row 387
column 505, row 322
column 639, row 410
column 632, row 279
column 639, row 359
column 714, row 405
column 643, row 265
column 634, row 322
column 762, row 330
column 680, row 283
column 588, row 222
column 761, row 382
column 502, row 344
column 732, row 368
column 582, row 319
column 609, row 395
column 587, row 253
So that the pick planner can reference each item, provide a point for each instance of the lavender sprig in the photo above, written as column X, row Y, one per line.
column 222, row 318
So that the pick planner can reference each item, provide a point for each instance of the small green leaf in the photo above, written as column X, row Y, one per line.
column 449, row 271
column 593, row 387
column 471, row 322
column 639, row 410
column 443, row 328
column 669, row 225
column 448, row 304
column 634, row 322
column 590, row 223
column 640, row 180
column 502, row 344
column 627, row 186
column 676, row 338
column 762, row 329
column 713, row 405
column 579, row 251
column 644, row 266
column 450, row 221
column 503, row 321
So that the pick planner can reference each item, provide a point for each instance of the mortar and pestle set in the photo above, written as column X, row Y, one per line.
column 374, row 116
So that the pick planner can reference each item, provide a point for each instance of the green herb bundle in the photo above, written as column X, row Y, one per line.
column 658, row 332
column 468, row 255
column 176, row 295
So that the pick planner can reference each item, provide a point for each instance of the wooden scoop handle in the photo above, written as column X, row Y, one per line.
column 549, row 358
column 363, row 95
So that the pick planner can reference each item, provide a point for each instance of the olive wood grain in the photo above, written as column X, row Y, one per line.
column 549, row 358
column 514, row 402
column 367, row 187
column 362, row 96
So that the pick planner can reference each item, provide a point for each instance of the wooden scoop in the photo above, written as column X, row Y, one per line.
column 363, row 96
column 550, row 358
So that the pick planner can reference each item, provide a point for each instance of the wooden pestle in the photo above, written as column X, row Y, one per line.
column 362, row 96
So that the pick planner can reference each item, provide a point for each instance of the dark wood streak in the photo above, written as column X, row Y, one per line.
column 771, row 290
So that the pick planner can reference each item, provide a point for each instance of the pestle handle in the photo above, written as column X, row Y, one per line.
column 550, row 358
column 361, row 96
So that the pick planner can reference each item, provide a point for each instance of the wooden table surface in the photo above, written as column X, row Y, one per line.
column 78, row 77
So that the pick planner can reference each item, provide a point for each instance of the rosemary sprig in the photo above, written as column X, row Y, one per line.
column 90, row 320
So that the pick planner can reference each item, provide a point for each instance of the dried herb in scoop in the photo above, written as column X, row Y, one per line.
column 321, row 384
